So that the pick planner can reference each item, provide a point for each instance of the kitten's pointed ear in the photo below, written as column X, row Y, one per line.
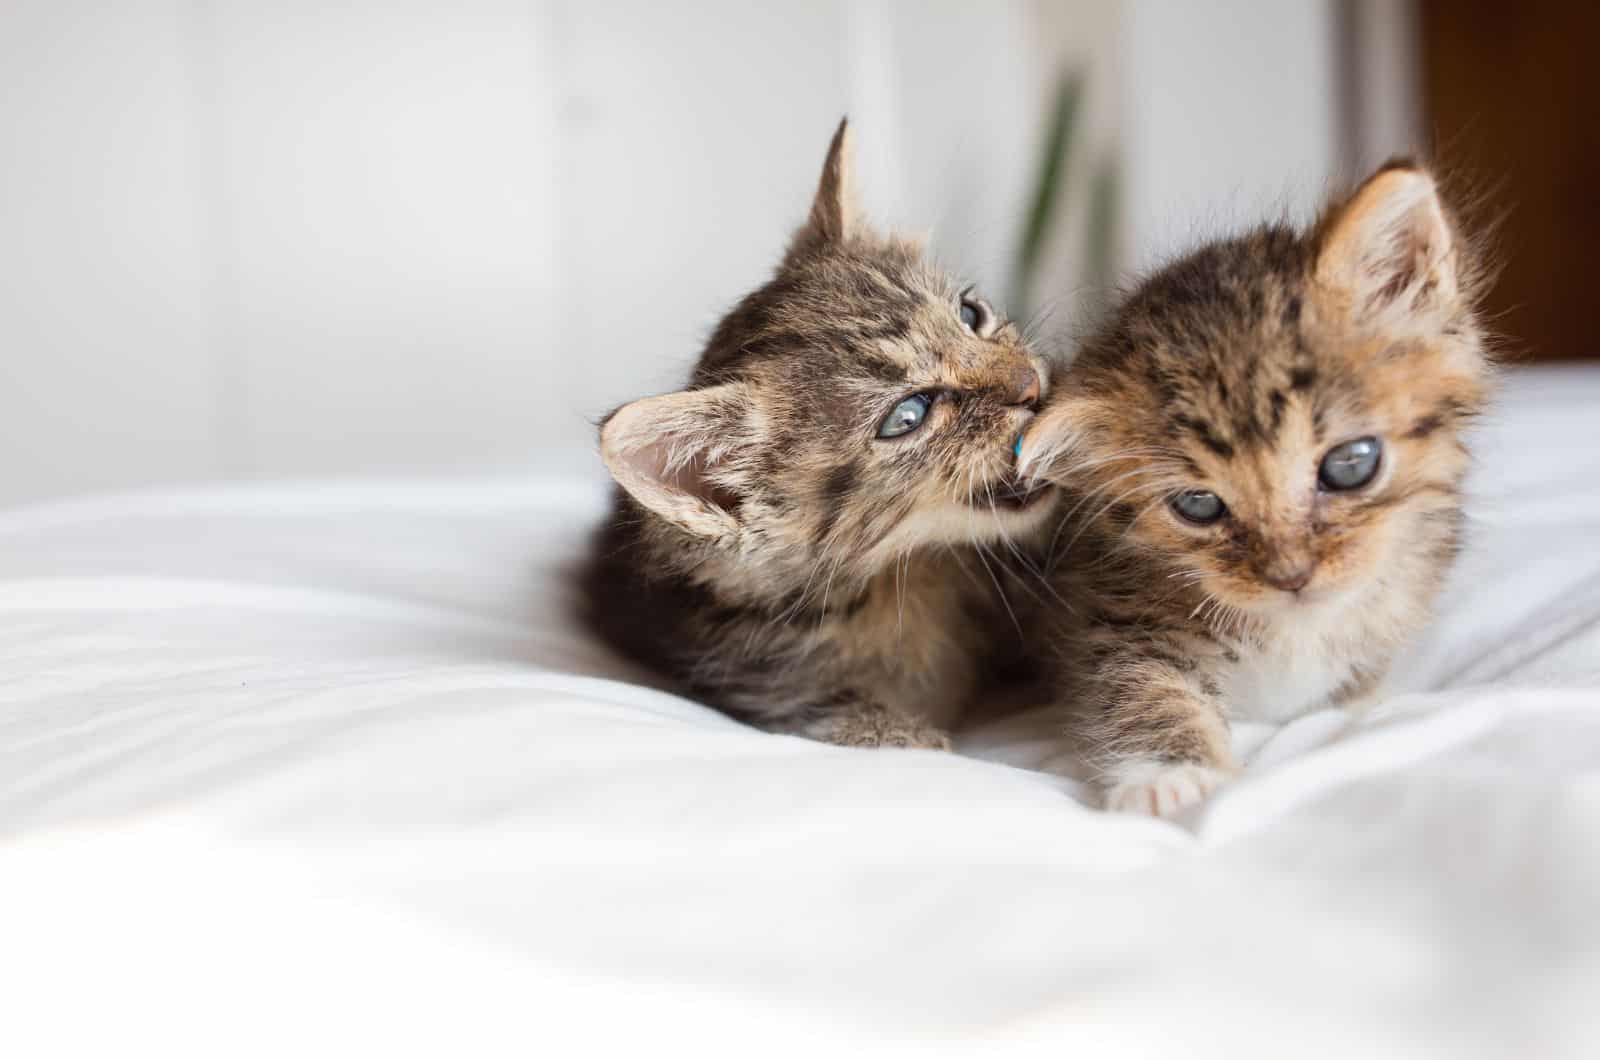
column 673, row 454
column 1390, row 247
column 832, row 218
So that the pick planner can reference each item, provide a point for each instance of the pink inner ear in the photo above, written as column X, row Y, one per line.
column 1393, row 268
column 1392, row 238
column 654, row 462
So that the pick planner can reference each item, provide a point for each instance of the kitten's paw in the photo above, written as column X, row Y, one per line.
column 899, row 733
column 1161, row 789
column 925, row 736
column 874, row 728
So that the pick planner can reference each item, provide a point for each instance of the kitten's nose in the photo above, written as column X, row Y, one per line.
column 1290, row 576
column 1022, row 387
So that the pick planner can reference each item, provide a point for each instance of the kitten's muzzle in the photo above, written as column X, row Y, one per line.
column 1012, row 494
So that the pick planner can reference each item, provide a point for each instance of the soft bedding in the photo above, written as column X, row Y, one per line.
column 329, row 769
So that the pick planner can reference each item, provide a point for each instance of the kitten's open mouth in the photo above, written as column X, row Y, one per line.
column 1011, row 494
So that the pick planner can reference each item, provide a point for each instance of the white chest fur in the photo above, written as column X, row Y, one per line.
column 1295, row 670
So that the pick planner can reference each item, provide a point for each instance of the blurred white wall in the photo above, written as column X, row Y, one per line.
column 1232, row 117
column 245, row 239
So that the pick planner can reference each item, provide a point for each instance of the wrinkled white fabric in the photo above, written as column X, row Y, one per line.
column 330, row 770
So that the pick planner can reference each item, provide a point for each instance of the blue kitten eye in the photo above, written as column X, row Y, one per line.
column 1350, row 465
column 905, row 417
column 1201, row 507
column 976, row 316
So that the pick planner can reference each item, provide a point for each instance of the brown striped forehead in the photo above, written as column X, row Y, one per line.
column 1245, row 390
column 834, row 336
column 1220, row 347
column 1217, row 343
column 864, row 305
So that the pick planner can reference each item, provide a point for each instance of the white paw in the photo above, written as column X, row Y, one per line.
column 1161, row 789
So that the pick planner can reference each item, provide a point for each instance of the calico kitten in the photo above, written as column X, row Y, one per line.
column 1264, row 453
column 791, row 540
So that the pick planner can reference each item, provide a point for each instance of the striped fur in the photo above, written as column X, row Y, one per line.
column 772, row 556
column 1234, row 370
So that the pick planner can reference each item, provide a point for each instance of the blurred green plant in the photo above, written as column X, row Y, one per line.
column 1049, row 197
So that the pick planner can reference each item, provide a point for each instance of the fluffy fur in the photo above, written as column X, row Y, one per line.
column 1235, row 370
column 772, row 555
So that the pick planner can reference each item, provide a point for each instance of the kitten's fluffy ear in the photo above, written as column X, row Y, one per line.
column 672, row 454
column 1051, row 442
column 833, row 211
column 1391, row 248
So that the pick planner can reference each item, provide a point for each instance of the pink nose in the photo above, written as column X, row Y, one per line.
column 1290, row 578
column 1023, row 385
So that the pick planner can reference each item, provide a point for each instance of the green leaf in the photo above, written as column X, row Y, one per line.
column 1048, row 189
column 1099, row 242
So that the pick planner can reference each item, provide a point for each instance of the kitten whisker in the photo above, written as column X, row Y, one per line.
column 1121, row 540
column 1004, row 602
column 1065, row 520
column 1092, row 520
column 827, row 587
column 1103, row 488
column 900, row 592
column 1030, row 568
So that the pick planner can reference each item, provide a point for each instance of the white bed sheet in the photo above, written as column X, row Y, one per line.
column 328, row 769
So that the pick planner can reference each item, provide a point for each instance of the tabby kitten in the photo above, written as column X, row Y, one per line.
column 1264, row 454
column 792, row 538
